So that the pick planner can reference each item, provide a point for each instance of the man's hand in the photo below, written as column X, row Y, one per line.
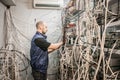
column 54, row 46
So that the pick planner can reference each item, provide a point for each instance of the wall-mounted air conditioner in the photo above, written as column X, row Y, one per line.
column 48, row 4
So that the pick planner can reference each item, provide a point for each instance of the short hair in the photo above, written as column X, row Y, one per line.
column 39, row 23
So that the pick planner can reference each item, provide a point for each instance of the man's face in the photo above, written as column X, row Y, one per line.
column 44, row 29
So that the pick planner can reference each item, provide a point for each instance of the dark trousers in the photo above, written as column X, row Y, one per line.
column 39, row 75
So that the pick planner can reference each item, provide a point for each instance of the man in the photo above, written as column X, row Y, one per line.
column 39, row 52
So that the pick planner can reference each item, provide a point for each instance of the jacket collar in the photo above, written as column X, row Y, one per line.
column 41, row 34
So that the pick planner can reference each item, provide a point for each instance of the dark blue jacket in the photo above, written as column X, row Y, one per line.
column 39, row 57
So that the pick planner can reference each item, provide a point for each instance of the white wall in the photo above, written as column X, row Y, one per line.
column 2, row 11
column 24, row 17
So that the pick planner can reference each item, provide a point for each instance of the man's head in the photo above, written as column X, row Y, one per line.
column 41, row 27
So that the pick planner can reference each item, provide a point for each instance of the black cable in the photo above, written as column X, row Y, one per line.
column 16, row 52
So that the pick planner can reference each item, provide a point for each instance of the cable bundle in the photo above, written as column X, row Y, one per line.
column 86, row 59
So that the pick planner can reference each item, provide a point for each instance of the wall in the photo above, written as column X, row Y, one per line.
column 2, row 11
column 25, row 17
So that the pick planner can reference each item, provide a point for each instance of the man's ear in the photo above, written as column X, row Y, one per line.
column 40, row 27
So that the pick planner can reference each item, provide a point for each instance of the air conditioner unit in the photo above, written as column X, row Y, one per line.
column 48, row 4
